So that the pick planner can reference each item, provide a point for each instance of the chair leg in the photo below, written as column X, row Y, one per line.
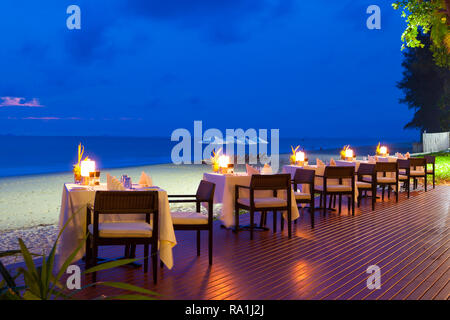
column 340, row 203
column 374, row 197
column 382, row 193
column 155, row 262
column 311, row 211
column 408, row 186
column 261, row 218
column 88, row 253
column 281, row 221
column 236, row 219
column 289, row 223
column 127, row 251
column 433, row 180
column 94, row 261
column 348, row 204
column 146, row 257
column 274, row 214
column 252, row 217
column 330, row 201
column 198, row 242
column 353, row 204
column 334, row 201
column 389, row 192
column 210, row 245
column 425, row 182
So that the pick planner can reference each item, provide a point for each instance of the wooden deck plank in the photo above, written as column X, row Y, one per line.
column 408, row 240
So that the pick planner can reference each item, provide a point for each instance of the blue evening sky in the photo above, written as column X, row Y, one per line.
column 147, row 67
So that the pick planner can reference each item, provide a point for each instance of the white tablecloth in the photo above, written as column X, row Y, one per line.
column 74, row 201
column 225, row 189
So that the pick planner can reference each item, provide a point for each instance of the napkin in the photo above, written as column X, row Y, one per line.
column 399, row 155
column 145, row 180
column 372, row 159
column 251, row 170
column 332, row 162
column 407, row 155
column 116, row 185
column 319, row 163
column 109, row 185
column 267, row 169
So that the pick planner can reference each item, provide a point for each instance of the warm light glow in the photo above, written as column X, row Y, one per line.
column 224, row 161
column 86, row 167
column 300, row 156
column 383, row 150
column 349, row 153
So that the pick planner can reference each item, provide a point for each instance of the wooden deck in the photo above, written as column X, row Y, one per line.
column 408, row 240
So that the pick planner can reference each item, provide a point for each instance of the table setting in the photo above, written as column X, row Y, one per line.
column 78, row 195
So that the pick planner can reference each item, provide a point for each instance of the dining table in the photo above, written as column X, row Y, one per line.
column 225, row 194
column 72, row 220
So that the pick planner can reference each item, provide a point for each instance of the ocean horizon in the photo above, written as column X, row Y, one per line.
column 31, row 155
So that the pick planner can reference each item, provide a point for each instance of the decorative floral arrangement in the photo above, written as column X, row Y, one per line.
column 292, row 158
column 77, row 166
column 377, row 152
column 215, row 160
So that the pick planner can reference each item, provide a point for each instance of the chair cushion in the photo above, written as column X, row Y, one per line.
column 264, row 202
column 123, row 229
column 402, row 171
column 363, row 185
column 417, row 172
column 402, row 177
column 189, row 218
column 430, row 171
column 335, row 188
column 302, row 196
column 385, row 180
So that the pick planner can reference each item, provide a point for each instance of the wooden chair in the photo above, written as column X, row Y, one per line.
column 340, row 173
column 274, row 183
column 387, row 168
column 123, row 233
column 417, row 173
column 366, row 171
column 304, row 176
column 195, row 220
column 431, row 160
column 404, row 168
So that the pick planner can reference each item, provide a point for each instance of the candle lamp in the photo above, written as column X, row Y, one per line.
column 87, row 166
column 223, row 161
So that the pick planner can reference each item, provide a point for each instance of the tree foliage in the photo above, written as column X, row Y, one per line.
column 426, row 88
column 427, row 16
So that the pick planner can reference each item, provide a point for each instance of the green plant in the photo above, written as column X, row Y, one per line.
column 44, row 282
column 430, row 16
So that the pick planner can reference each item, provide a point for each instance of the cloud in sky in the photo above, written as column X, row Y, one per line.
column 20, row 102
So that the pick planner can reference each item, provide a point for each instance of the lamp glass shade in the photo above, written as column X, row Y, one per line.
column 224, row 161
column 300, row 156
column 86, row 167
column 349, row 153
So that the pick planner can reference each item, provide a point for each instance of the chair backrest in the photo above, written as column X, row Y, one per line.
column 430, row 159
column 404, row 163
column 205, row 191
column 338, row 172
column 418, row 162
column 366, row 169
column 304, row 176
column 123, row 202
column 270, row 181
column 386, row 167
